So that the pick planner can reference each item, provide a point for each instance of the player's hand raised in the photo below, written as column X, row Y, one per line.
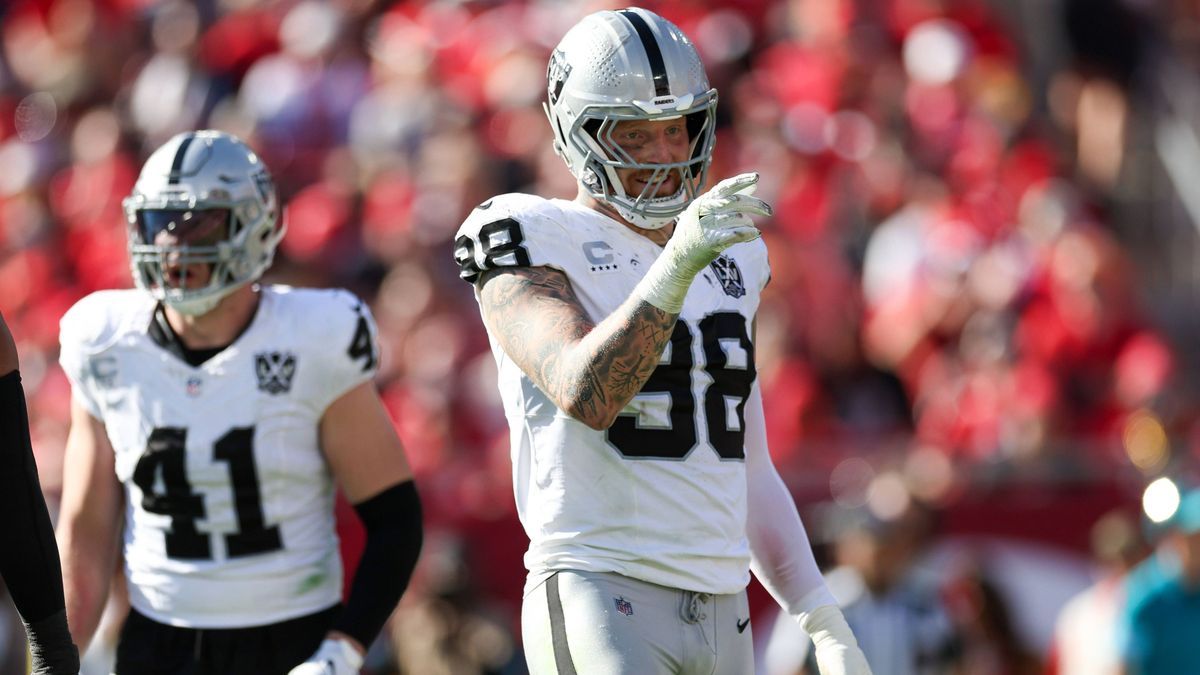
column 715, row 221
column 712, row 223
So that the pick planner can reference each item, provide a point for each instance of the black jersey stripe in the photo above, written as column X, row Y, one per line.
column 177, row 163
column 653, row 53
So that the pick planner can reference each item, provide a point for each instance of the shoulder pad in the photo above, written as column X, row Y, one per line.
column 99, row 319
column 91, row 326
column 337, row 322
column 758, row 264
column 510, row 230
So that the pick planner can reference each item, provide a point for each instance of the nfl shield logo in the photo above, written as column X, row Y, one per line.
column 624, row 606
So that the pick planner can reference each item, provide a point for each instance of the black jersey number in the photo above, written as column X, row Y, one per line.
column 724, row 399
column 503, row 246
column 165, row 456
column 361, row 346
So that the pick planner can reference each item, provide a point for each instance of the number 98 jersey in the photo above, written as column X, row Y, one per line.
column 661, row 494
column 228, row 499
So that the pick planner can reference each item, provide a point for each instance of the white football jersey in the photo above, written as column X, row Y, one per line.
column 229, row 502
column 661, row 494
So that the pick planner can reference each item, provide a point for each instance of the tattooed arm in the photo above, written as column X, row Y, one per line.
column 591, row 371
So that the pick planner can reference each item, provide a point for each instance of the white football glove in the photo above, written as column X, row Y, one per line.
column 834, row 645
column 712, row 223
column 334, row 657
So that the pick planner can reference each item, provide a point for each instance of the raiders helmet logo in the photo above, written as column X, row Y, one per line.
column 556, row 75
column 274, row 371
column 729, row 275
column 264, row 185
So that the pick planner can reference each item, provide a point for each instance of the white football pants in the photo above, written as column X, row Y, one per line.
column 599, row 623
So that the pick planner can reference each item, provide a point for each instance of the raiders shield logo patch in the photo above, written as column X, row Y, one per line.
column 274, row 371
column 729, row 275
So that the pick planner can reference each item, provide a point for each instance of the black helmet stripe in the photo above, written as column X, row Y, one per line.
column 177, row 163
column 657, row 66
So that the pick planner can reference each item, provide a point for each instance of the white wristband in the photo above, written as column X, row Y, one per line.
column 664, row 286
column 333, row 657
column 834, row 646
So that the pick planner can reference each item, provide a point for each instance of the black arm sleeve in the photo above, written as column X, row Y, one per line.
column 392, row 519
column 29, row 559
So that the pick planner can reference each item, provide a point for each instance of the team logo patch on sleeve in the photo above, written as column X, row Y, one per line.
column 729, row 275
column 275, row 371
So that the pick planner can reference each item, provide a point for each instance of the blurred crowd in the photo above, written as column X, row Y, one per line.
column 974, row 275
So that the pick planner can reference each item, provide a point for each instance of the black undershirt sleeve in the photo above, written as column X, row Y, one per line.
column 29, row 560
column 392, row 520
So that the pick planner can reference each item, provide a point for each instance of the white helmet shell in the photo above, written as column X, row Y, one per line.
column 192, row 174
column 630, row 64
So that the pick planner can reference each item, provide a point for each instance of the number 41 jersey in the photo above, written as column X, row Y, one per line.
column 228, row 500
column 661, row 494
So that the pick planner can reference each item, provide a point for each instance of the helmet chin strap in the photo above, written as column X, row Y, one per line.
column 193, row 306
column 645, row 220
column 197, row 306
column 642, row 220
column 619, row 200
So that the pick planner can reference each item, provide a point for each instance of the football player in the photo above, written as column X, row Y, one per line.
column 212, row 417
column 622, row 326
column 29, row 562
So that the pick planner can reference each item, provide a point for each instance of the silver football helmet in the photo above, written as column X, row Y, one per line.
column 630, row 64
column 204, row 197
